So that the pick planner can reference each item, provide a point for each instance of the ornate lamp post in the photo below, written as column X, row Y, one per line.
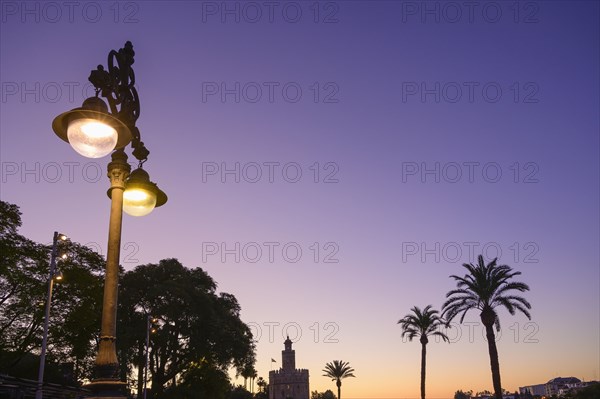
column 94, row 131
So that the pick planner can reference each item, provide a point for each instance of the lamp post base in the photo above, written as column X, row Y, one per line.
column 107, row 389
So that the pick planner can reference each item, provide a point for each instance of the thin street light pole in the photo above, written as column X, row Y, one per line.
column 39, row 394
column 147, row 349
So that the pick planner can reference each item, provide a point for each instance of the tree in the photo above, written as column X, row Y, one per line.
column 463, row 395
column 485, row 288
column 239, row 392
column 422, row 324
column 589, row 392
column 248, row 372
column 328, row 394
column 200, row 380
column 337, row 371
column 196, row 323
column 263, row 389
column 75, row 309
column 262, row 384
column 23, row 271
column 261, row 395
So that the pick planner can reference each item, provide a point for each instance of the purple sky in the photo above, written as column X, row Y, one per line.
column 419, row 141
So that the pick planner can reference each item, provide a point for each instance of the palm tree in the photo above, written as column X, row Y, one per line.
column 338, row 370
column 252, row 378
column 486, row 287
column 422, row 324
column 261, row 384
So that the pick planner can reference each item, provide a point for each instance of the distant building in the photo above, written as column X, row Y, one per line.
column 504, row 396
column 288, row 382
column 555, row 385
column 558, row 386
column 574, row 387
column 533, row 390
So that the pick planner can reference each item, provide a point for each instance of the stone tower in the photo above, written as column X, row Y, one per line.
column 288, row 382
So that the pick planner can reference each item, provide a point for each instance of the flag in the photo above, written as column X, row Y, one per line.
column 273, row 360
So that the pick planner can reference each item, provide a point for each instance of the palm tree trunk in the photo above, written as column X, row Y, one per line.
column 423, row 361
column 494, row 363
column 339, row 385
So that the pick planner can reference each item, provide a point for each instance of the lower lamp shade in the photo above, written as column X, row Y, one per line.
column 141, row 195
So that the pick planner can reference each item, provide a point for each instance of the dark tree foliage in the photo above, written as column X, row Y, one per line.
column 261, row 395
column 592, row 391
column 199, row 337
column 263, row 389
column 200, row 380
column 460, row 394
column 328, row 394
column 239, row 392
column 75, row 313
column 195, row 324
column 23, row 270
column 77, row 308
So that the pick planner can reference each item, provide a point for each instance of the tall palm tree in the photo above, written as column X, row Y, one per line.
column 248, row 372
column 485, row 288
column 338, row 370
column 422, row 324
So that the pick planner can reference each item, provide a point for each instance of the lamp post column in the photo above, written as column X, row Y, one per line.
column 107, row 382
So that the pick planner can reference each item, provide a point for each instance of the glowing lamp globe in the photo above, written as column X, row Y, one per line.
column 141, row 195
column 91, row 130
column 138, row 201
column 92, row 138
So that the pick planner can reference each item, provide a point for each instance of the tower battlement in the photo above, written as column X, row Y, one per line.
column 281, row 371
column 288, row 381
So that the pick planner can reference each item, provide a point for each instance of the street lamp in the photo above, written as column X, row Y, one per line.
column 91, row 130
column 150, row 322
column 39, row 393
column 141, row 195
column 94, row 130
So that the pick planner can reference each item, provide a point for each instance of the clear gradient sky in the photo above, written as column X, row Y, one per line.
column 401, row 137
